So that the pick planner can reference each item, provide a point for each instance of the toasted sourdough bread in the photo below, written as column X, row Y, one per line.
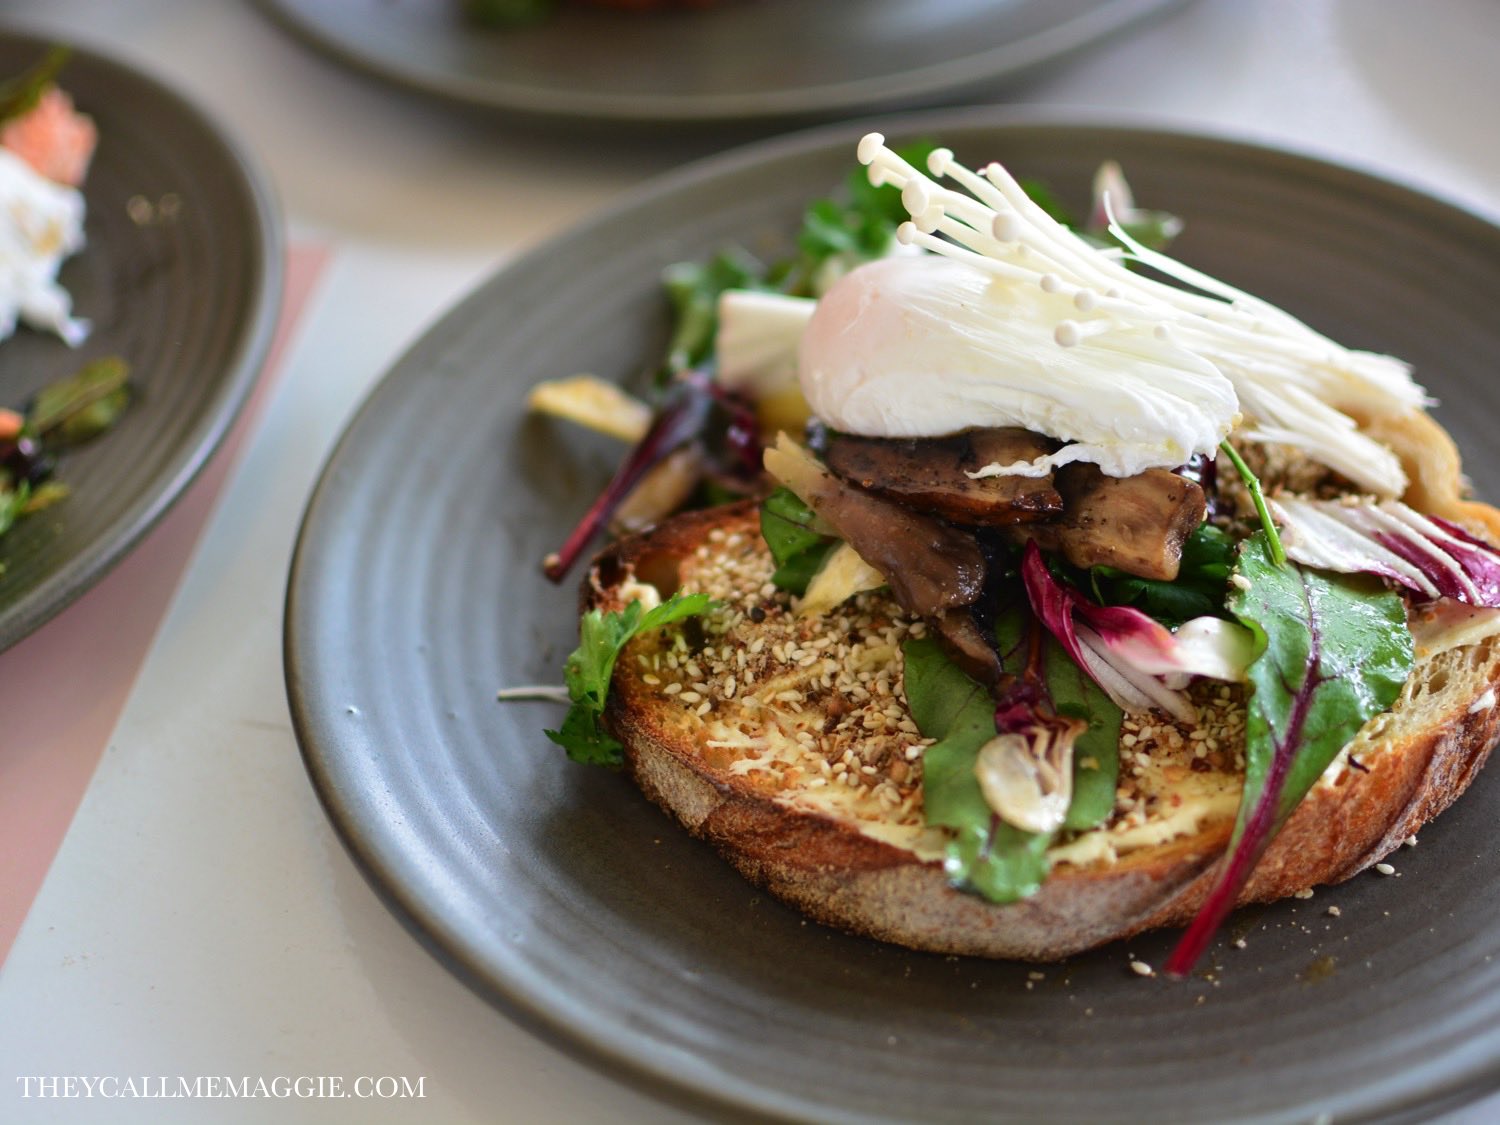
column 748, row 726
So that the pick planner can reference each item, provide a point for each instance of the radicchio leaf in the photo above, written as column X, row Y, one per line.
column 1334, row 651
column 1480, row 561
column 696, row 400
column 1430, row 556
column 1135, row 659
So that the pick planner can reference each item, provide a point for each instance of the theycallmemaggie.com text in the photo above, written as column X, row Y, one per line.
column 385, row 1087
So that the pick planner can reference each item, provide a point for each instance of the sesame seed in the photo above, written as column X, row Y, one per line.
column 1385, row 869
column 1141, row 969
column 831, row 696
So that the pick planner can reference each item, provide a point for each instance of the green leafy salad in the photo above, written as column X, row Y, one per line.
column 62, row 416
column 45, row 148
column 1152, row 534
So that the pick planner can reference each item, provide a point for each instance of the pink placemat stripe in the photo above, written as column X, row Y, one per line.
column 62, row 688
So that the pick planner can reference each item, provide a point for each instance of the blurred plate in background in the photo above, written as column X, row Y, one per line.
column 181, row 277
column 741, row 60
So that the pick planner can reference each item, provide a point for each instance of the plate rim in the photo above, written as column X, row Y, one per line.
column 1008, row 62
column 546, row 1011
column 115, row 541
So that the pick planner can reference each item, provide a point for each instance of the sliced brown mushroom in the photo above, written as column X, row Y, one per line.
column 930, row 566
column 965, row 642
column 1135, row 524
column 929, row 474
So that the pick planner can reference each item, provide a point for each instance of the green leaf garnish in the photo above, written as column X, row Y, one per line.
column 693, row 288
column 21, row 93
column 986, row 855
column 1335, row 651
column 1198, row 591
column 67, row 412
column 13, row 502
column 1096, row 754
column 43, row 496
column 601, row 638
column 1153, row 229
column 790, row 529
column 1252, row 483
column 839, row 234
column 82, row 406
column 1075, row 695
column 788, row 525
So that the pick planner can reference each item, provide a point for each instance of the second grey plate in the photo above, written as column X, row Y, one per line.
column 181, row 278
column 742, row 60
column 557, row 890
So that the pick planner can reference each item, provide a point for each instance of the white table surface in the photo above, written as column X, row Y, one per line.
column 201, row 918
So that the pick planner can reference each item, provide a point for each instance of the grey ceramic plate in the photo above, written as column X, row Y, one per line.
column 187, row 298
column 557, row 890
column 745, row 60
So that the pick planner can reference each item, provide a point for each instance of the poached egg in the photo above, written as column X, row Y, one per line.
column 1012, row 319
column 923, row 347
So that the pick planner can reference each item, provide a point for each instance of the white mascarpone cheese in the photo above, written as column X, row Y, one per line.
column 922, row 347
column 41, row 223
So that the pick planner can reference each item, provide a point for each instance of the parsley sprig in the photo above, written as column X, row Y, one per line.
column 601, row 638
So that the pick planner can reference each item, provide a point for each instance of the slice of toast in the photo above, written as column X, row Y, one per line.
column 786, row 743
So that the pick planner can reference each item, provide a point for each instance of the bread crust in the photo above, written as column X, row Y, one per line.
column 1401, row 770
